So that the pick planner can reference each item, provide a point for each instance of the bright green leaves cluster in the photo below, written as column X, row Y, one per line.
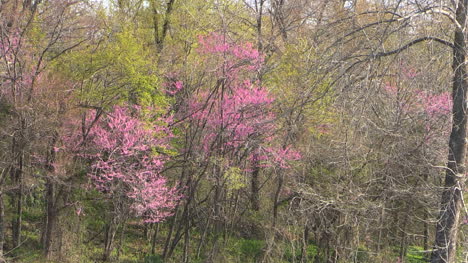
column 120, row 70
column 235, row 178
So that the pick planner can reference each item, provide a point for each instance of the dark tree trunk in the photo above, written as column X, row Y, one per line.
column 159, row 37
column 451, row 202
column 255, row 198
column 111, row 230
column 426, row 235
column 276, row 202
column 403, row 237
column 51, row 218
column 18, row 201
column 305, row 242
column 2, row 226
column 154, row 238
column 169, row 234
column 186, row 257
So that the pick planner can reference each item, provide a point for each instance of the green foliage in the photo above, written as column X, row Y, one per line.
column 362, row 254
column 415, row 254
column 120, row 70
column 250, row 248
column 235, row 178
column 289, row 256
column 153, row 259
column 5, row 109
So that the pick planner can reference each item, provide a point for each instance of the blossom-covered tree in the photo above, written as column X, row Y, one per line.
column 128, row 155
column 231, row 117
column 236, row 113
column 127, row 149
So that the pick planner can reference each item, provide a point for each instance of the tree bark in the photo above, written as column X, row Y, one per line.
column 154, row 238
column 451, row 201
column 18, row 201
column 305, row 242
column 111, row 230
column 255, row 198
column 51, row 218
column 51, row 199
column 2, row 226
column 276, row 202
column 160, row 37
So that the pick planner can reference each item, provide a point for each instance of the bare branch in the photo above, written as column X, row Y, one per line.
column 408, row 45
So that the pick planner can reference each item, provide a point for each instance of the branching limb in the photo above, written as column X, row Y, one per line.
column 408, row 45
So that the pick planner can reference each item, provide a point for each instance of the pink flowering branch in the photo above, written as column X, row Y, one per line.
column 236, row 116
column 125, row 158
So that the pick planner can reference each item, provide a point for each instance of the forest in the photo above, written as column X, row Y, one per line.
column 225, row 131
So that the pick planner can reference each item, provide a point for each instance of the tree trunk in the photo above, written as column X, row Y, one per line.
column 305, row 242
column 403, row 237
column 51, row 218
column 153, row 241
column 186, row 257
column 451, row 202
column 18, row 201
column 255, row 198
column 111, row 230
column 51, row 199
column 276, row 202
column 160, row 37
column 2, row 226
column 169, row 234
column 121, row 239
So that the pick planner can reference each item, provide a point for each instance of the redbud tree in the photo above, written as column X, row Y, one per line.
column 128, row 152
column 235, row 114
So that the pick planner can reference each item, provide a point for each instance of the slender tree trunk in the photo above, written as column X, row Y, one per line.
column 259, row 8
column 169, row 234
column 381, row 226
column 255, row 198
column 276, row 201
column 147, row 231
column 51, row 218
column 109, row 240
column 427, row 216
column 159, row 37
column 451, row 201
column 18, row 202
column 403, row 238
column 203, row 237
column 426, row 238
column 186, row 258
column 121, row 239
column 305, row 241
column 2, row 226
column 155, row 237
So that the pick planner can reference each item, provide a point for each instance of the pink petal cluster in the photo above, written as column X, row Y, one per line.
column 275, row 156
column 237, row 116
column 243, row 114
column 16, row 53
column 125, row 159
column 173, row 88
column 235, row 58
column 434, row 107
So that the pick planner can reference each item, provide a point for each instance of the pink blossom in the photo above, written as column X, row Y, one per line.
column 122, row 149
column 239, row 116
